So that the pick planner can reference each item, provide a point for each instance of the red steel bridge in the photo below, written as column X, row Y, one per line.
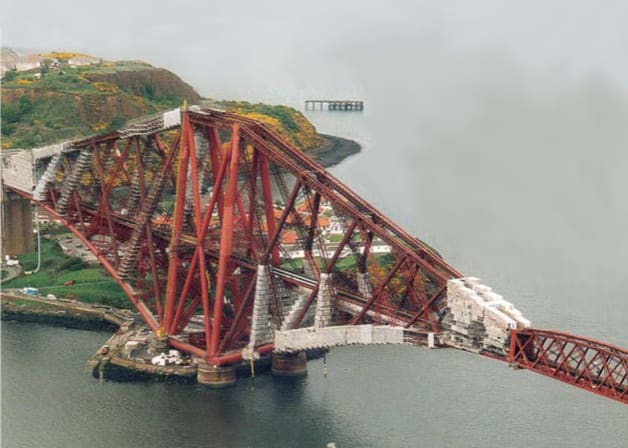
column 211, row 218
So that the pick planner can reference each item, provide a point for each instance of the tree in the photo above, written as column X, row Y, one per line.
column 45, row 66
column 26, row 105
column 10, row 74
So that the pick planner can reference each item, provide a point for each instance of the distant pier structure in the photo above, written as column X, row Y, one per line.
column 344, row 105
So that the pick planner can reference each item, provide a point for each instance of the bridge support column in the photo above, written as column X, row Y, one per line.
column 216, row 377
column 324, row 302
column 364, row 284
column 261, row 331
column 289, row 364
column 17, row 225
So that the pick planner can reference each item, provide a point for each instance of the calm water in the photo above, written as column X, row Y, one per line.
column 373, row 397
column 495, row 132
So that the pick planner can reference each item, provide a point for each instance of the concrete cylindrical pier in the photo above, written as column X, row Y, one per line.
column 289, row 364
column 216, row 377
column 16, row 225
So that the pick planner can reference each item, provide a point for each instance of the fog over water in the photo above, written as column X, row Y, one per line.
column 496, row 131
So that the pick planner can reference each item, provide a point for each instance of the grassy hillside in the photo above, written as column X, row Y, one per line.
column 49, row 104
column 62, row 100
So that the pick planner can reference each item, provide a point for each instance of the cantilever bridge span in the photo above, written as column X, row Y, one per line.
column 232, row 243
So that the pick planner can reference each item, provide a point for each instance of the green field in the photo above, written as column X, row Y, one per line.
column 91, row 284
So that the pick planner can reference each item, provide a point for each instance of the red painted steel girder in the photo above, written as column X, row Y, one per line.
column 586, row 363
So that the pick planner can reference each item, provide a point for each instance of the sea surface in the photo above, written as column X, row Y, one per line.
column 547, row 238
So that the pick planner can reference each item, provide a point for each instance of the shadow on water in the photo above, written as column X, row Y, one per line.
column 277, row 412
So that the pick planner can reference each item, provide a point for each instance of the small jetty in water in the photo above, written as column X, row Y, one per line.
column 344, row 105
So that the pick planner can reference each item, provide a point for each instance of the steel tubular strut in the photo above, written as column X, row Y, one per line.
column 268, row 203
column 284, row 215
column 174, row 262
column 379, row 290
column 200, row 255
column 226, row 240
column 239, row 313
column 216, row 197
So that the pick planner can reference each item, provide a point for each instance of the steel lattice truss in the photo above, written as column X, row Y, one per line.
column 582, row 362
column 183, row 218
column 220, row 232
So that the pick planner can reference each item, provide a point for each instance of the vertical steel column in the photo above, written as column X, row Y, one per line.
column 215, row 150
column 226, row 239
column 216, row 196
column 309, row 243
column 264, row 172
column 252, row 202
column 199, row 232
column 174, row 261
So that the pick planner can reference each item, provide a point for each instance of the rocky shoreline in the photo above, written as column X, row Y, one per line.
column 335, row 150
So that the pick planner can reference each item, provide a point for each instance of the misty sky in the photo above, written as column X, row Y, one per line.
column 276, row 50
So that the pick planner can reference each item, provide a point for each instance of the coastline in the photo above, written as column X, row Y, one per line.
column 335, row 150
column 62, row 312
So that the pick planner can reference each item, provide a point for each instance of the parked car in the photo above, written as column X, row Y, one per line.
column 30, row 291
